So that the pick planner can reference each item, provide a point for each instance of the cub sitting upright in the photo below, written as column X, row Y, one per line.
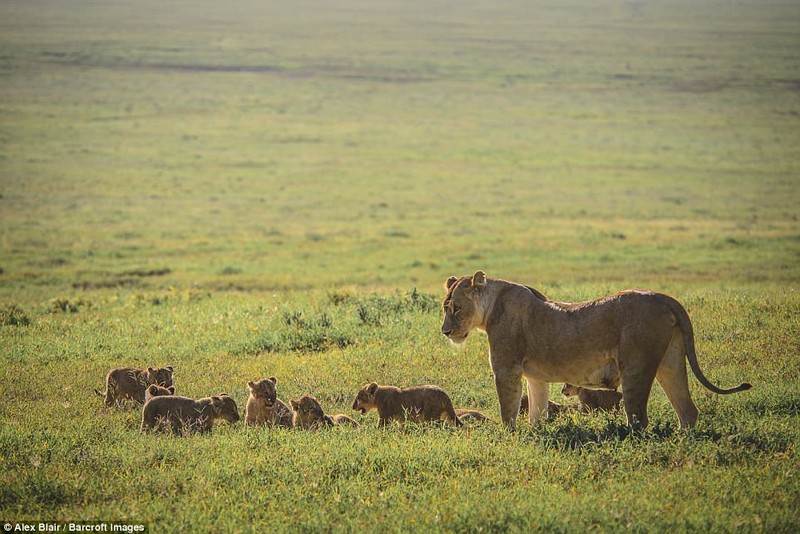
column 128, row 383
column 416, row 403
column 182, row 414
column 264, row 407
column 308, row 414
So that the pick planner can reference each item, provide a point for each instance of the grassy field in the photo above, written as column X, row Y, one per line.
column 263, row 188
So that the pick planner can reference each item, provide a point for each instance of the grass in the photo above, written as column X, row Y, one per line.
column 281, row 189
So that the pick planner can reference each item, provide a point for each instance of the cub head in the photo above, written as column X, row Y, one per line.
column 462, row 307
column 569, row 390
column 308, row 408
column 225, row 408
column 160, row 376
column 365, row 399
column 264, row 390
column 158, row 391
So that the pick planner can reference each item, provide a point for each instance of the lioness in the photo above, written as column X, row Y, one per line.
column 593, row 399
column 129, row 383
column 264, row 407
column 629, row 338
column 182, row 414
column 308, row 414
column 416, row 403
column 157, row 391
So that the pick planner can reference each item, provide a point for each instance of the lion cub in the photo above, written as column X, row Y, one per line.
column 182, row 414
column 553, row 408
column 466, row 415
column 593, row 399
column 157, row 391
column 308, row 415
column 416, row 403
column 129, row 383
column 264, row 407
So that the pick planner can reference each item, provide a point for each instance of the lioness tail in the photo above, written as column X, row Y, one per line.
column 685, row 324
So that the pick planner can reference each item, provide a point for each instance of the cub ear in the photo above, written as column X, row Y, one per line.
column 216, row 401
column 171, row 390
column 169, row 368
column 152, row 389
column 449, row 283
column 372, row 388
column 479, row 279
column 273, row 380
column 251, row 385
column 295, row 404
column 150, row 370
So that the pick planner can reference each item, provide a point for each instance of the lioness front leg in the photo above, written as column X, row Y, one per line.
column 538, row 393
column 509, row 393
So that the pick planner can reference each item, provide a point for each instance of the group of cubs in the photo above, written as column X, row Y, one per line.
column 162, row 409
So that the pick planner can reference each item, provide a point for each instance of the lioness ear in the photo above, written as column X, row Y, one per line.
column 372, row 388
column 449, row 283
column 273, row 380
column 479, row 279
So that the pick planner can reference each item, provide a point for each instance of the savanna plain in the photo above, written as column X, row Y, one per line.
column 259, row 188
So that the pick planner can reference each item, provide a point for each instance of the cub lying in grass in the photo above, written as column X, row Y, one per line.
column 416, row 403
column 593, row 399
column 466, row 415
column 157, row 391
column 308, row 415
column 129, row 383
column 553, row 408
column 264, row 407
column 185, row 415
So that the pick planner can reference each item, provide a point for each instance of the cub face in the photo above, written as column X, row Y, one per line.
column 158, row 391
column 264, row 390
column 307, row 408
column 365, row 399
column 160, row 376
column 569, row 390
column 225, row 408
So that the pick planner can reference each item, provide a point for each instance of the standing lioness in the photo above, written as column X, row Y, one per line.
column 629, row 338
column 416, row 403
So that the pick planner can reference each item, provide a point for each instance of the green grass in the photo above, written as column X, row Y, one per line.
column 270, row 188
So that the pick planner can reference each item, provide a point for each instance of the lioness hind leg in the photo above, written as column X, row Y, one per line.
column 673, row 379
column 538, row 393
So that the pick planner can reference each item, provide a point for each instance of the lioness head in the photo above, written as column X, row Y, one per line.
column 225, row 408
column 462, row 308
column 365, row 399
column 160, row 376
column 264, row 390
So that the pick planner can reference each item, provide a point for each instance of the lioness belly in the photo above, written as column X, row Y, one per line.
column 593, row 371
